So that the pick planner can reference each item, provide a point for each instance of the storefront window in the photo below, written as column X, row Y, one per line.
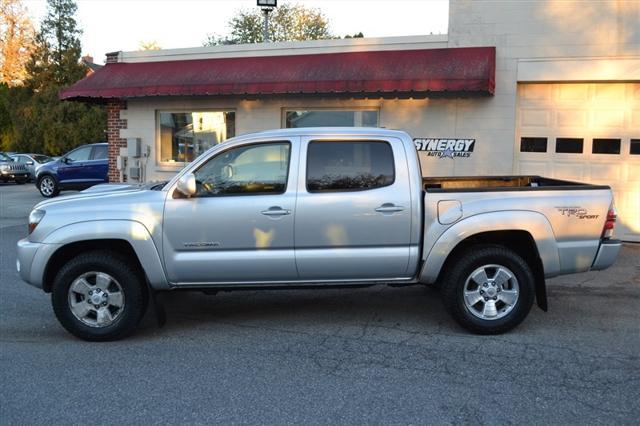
column 186, row 135
column 331, row 118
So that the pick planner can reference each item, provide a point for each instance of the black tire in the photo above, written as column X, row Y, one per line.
column 128, row 277
column 470, row 260
column 45, row 193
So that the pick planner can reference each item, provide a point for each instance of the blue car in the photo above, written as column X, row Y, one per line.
column 79, row 169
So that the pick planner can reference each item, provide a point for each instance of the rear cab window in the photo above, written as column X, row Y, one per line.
column 346, row 166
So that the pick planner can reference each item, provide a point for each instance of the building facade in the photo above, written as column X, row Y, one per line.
column 516, row 87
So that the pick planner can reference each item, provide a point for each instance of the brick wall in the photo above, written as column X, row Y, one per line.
column 114, row 125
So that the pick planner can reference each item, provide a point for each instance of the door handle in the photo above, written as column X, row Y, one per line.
column 275, row 211
column 389, row 208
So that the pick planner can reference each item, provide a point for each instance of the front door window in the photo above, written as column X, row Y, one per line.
column 248, row 170
column 80, row 154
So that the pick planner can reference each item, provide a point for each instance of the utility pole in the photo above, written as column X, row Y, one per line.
column 267, row 7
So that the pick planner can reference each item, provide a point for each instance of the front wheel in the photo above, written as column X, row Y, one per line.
column 489, row 290
column 48, row 186
column 99, row 296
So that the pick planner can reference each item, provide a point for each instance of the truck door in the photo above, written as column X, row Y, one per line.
column 238, row 227
column 353, row 211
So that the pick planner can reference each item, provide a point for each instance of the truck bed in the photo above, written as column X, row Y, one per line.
column 501, row 183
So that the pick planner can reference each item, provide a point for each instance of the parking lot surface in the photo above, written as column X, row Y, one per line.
column 375, row 355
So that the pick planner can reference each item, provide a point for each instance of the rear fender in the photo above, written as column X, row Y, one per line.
column 532, row 222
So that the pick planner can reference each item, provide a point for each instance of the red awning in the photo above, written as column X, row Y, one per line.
column 469, row 70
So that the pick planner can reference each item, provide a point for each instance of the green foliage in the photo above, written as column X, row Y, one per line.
column 32, row 118
column 6, row 126
column 287, row 22
column 56, row 59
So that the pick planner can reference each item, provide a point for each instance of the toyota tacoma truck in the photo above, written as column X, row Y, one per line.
column 315, row 208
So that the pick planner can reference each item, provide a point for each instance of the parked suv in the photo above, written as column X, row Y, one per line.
column 10, row 170
column 31, row 162
column 79, row 169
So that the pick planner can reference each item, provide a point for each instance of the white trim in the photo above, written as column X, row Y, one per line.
column 288, row 48
column 623, row 69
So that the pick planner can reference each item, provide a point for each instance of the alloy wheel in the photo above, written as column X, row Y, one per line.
column 47, row 185
column 491, row 292
column 96, row 299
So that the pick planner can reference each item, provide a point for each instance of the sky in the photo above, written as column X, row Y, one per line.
column 112, row 25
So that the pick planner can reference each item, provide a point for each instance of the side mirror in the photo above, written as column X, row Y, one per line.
column 187, row 184
column 29, row 163
column 65, row 160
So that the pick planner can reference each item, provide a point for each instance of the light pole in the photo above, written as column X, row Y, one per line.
column 267, row 6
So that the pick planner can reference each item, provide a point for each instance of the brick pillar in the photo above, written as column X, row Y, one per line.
column 114, row 125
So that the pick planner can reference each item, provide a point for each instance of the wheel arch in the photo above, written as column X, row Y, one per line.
column 529, row 234
column 47, row 173
column 130, row 239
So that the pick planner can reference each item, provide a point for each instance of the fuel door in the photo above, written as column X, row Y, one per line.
column 449, row 211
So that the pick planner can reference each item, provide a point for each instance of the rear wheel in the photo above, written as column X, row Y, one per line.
column 99, row 296
column 490, row 290
column 48, row 186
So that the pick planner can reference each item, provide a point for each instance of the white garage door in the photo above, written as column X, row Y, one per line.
column 584, row 132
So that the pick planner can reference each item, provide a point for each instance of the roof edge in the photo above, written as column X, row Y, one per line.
column 287, row 48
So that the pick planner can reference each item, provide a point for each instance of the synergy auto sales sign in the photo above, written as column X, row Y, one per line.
column 445, row 148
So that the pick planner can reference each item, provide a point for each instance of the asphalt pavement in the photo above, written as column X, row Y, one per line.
column 379, row 355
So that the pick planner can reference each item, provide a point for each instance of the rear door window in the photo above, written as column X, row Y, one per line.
column 334, row 166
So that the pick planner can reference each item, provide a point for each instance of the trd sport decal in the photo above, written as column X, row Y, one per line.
column 445, row 148
column 577, row 212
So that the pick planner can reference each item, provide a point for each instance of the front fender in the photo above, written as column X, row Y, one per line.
column 131, row 231
column 536, row 224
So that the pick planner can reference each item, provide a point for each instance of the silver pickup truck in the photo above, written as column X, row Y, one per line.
column 315, row 208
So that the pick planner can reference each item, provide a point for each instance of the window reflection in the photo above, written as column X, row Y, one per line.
column 248, row 170
column 186, row 135
column 331, row 118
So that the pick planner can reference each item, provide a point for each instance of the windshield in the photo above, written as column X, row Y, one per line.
column 5, row 157
column 42, row 158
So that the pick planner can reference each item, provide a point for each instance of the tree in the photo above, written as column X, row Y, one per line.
column 16, row 34
column 40, row 121
column 149, row 45
column 56, row 57
column 288, row 22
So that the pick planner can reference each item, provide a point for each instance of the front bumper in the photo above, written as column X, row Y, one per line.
column 607, row 254
column 13, row 175
column 32, row 260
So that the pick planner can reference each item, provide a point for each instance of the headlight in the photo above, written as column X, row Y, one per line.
column 34, row 219
column 4, row 167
